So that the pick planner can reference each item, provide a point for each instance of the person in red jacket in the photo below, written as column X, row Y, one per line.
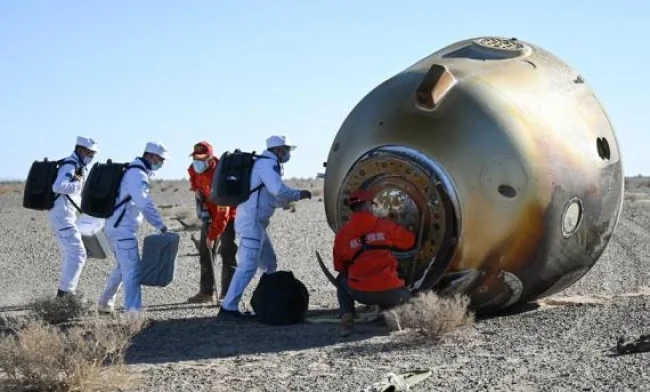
column 362, row 256
column 218, row 223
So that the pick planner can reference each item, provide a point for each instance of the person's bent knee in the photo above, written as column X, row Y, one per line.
column 387, row 298
column 81, row 252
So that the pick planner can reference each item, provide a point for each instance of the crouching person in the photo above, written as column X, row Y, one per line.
column 133, row 201
column 362, row 256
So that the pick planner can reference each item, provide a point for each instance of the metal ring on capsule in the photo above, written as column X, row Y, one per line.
column 414, row 190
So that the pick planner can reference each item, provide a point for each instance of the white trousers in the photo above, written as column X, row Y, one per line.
column 251, row 255
column 74, row 257
column 127, row 273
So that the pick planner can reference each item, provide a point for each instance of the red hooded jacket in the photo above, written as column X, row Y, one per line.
column 220, row 215
column 373, row 269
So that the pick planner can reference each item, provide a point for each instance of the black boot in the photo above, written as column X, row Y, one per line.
column 61, row 294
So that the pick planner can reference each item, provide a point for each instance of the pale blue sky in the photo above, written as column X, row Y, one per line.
column 234, row 72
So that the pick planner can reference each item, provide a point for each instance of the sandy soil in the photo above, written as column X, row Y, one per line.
column 561, row 345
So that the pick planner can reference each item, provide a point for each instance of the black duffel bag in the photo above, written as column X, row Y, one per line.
column 280, row 299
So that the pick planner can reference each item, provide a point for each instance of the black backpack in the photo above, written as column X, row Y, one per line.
column 280, row 299
column 38, row 194
column 102, row 187
column 232, row 179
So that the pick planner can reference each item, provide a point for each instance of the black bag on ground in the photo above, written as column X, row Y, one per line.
column 280, row 299
column 232, row 179
column 102, row 187
column 38, row 194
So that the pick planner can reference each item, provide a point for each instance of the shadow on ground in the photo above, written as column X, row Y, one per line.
column 516, row 310
column 14, row 308
column 190, row 339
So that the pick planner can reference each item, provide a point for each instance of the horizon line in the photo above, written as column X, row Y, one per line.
column 13, row 180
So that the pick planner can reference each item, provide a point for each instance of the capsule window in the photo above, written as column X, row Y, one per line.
column 572, row 217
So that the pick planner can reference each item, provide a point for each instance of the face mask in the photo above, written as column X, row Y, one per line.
column 156, row 166
column 199, row 166
column 87, row 160
column 285, row 157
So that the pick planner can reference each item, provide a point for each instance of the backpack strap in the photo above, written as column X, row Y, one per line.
column 73, row 203
column 127, row 198
column 65, row 161
column 62, row 162
column 260, row 186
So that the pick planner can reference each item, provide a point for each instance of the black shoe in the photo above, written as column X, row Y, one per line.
column 234, row 314
column 61, row 293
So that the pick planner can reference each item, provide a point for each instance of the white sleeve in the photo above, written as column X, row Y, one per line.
column 137, row 184
column 273, row 181
column 64, row 180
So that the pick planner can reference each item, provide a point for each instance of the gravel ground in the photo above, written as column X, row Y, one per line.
column 549, row 348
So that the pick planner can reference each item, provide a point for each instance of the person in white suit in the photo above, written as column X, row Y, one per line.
column 253, row 217
column 67, row 186
column 122, row 227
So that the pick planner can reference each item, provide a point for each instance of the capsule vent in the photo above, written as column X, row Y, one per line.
column 500, row 43
column 503, row 48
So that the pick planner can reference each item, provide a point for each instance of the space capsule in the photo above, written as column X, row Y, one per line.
column 502, row 158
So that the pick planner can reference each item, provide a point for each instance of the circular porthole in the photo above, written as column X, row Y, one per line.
column 572, row 217
column 404, row 184
column 503, row 179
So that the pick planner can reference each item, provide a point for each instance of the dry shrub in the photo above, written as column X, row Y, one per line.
column 59, row 310
column 84, row 357
column 172, row 211
column 11, row 187
column 186, row 216
column 189, row 224
column 185, row 213
column 431, row 315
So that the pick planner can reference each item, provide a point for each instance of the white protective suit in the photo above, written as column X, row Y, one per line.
column 63, row 218
column 123, row 238
column 253, row 217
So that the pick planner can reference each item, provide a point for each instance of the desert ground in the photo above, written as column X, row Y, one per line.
column 566, row 344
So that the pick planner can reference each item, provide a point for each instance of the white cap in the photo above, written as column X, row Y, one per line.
column 158, row 149
column 88, row 143
column 276, row 141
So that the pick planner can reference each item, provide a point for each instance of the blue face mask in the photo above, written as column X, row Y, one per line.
column 87, row 160
column 199, row 166
column 156, row 166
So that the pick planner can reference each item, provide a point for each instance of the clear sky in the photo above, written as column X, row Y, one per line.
column 234, row 72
